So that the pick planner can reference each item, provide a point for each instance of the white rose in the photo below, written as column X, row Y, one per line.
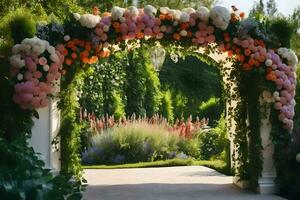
column 220, row 17
column 54, row 58
column 184, row 17
column 76, row 16
column 133, row 11
column 268, row 63
column 183, row 33
column 46, row 68
column 51, row 49
column 105, row 28
column 20, row 77
column 203, row 14
column 164, row 10
column 188, row 10
column 150, row 10
column 67, row 38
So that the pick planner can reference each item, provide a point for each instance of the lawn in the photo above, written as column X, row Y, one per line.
column 218, row 165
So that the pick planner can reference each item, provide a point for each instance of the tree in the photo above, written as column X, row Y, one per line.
column 271, row 8
column 258, row 10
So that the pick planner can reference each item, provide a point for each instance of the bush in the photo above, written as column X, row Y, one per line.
column 23, row 176
column 214, row 142
column 138, row 142
column 22, row 27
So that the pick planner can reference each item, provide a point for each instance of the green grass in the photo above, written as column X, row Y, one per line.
column 218, row 165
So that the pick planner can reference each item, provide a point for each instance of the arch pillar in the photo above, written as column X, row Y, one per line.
column 45, row 129
column 266, row 183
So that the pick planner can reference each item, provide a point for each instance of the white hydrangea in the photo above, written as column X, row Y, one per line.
column 184, row 17
column 189, row 10
column 289, row 55
column 164, row 10
column 51, row 49
column 117, row 13
column 177, row 14
column 150, row 10
column 17, row 61
column 220, row 17
column 89, row 20
column 203, row 13
column 133, row 11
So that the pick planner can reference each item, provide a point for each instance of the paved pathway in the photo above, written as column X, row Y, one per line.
column 170, row 183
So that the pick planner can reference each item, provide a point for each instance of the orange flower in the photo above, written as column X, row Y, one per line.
column 230, row 53
column 84, row 54
column 102, row 54
column 247, row 52
column 241, row 58
column 184, row 26
column 176, row 36
column 271, row 76
column 242, row 15
column 81, row 43
column 251, row 62
column 189, row 34
column 169, row 17
column 65, row 52
column 93, row 59
column 74, row 56
column 162, row 17
column 85, row 60
column 68, row 61
column 139, row 35
column 88, row 46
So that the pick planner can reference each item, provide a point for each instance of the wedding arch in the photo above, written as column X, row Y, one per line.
column 259, row 75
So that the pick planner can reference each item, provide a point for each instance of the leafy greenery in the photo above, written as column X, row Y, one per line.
column 166, row 106
column 23, row 176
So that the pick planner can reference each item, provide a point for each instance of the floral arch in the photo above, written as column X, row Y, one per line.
column 263, row 72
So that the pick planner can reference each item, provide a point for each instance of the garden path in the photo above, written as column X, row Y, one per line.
column 167, row 183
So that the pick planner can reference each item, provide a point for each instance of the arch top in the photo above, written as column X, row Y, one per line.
column 38, row 63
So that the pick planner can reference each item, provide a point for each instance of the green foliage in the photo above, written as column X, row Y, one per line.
column 23, row 176
column 22, row 27
column 211, row 109
column 166, row 106
column 138, row 142
column 70, row 127
column 213, row 141
column 118, row 106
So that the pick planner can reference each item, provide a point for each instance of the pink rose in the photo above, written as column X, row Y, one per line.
column 37, row 74
column 42, row 61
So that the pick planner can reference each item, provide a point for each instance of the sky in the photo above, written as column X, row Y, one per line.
column 285, row 7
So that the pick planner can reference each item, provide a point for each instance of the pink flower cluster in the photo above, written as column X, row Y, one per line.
column 286, row 84
column 36, row 80
column 205, row 35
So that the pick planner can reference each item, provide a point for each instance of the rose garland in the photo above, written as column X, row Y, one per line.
column 35, row 66
column 201, row 27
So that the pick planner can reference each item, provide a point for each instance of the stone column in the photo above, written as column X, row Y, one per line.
column 44, row 131
column 266, row 183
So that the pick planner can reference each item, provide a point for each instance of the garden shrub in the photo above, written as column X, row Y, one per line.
column 23, row 176
column 22, row 27
column 138, row 142
column 214, row 142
